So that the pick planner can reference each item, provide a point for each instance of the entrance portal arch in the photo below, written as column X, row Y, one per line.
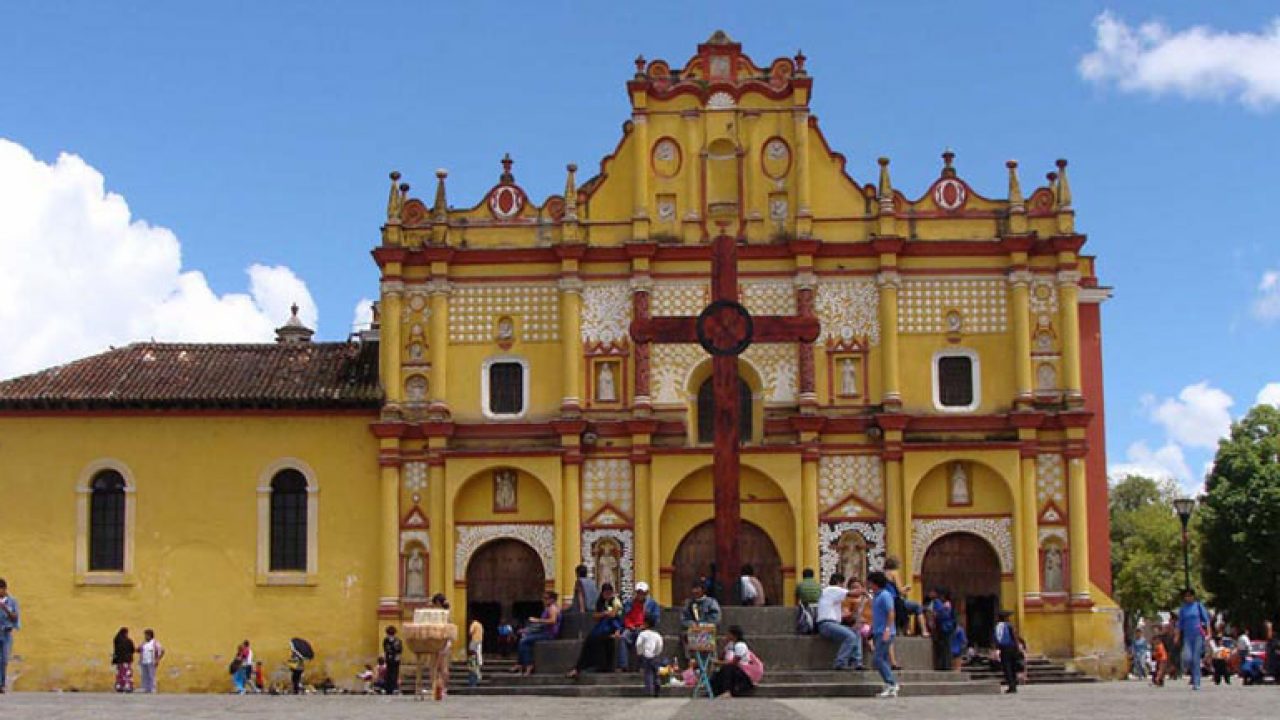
column 967, row 566
column 697, row 551
column 505, row 582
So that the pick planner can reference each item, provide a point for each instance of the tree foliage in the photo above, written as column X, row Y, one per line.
column 1240, row 520
column 1146, row 546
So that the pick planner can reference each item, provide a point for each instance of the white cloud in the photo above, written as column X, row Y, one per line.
column 362, row 317
column 1197, row 63
column 1198, row 417
column 1164, row 462
column 80, row 273
column 1267, row 305
column 1269, row 395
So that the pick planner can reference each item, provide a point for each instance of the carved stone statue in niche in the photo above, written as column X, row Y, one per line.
column 415, row 389
column 607, row 554
column 1053, row 578
column 504, row 491
column 506, row 329
column 606, row 390
column 848, row 377
column 960, row 485
column 852, row 548
column 415, row 576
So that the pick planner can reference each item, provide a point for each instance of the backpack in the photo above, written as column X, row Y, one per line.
column 805, row 624
column 946, row 618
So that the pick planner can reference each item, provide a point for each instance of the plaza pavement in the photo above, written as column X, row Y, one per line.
column 1093, row 702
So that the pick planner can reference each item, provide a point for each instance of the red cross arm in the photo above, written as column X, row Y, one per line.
column 785, row 328
column 665, row 330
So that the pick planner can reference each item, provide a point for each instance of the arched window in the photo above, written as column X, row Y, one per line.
column 288, row 521
column 107, row 522
column 707, row 411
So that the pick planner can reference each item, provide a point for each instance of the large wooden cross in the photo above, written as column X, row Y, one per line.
column 725, row 330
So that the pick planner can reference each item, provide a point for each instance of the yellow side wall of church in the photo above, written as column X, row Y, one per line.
column 195, row 545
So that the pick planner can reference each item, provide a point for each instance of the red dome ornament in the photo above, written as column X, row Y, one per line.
column 950, row 194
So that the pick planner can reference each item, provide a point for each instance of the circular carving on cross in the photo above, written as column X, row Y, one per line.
column 725, row 328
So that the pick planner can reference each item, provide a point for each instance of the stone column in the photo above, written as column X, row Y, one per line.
column 571, row 343
column 889, row 281
column 1069, row 302
column 438, row 345
column 641, row 286
column 895, row 509
column 646, row 570
column 804, row 214
column 392, row 385
column 1019, row 283
column 1029, row 521
column 389, row 537
column 807, row 395
column 692, row 161
column 640, row 208
column 570, row 494
column 441, row 545
column 809, row 508
column 1078, row 528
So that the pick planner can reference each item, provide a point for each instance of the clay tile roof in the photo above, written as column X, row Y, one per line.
column 183, row 375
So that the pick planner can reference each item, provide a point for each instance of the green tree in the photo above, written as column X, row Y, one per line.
column 1240, row 520
column 1146, row 547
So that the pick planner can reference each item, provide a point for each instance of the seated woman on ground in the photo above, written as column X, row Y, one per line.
column 740, row 670
column 597, row 649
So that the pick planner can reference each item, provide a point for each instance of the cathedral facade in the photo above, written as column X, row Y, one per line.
column 499, row 425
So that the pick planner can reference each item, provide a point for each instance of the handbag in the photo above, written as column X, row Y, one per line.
column 234, row 667
column 804, row 620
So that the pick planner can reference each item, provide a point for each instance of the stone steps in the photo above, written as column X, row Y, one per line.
column 767, row 689
column 1040, row 671
column 497, row 679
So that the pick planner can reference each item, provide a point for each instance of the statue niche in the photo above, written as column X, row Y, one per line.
column 852, row 550
column 722, row 178
column 606, row 556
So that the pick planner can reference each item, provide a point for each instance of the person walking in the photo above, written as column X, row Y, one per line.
column 1010, row 650
column 149, row 655
column 830, row 612
column 883, row 631
column 10, row 622
column 649, row 651
column 122, row 654
column 242, row 667
column 1193, row 623
column 943, row 618
column 1160, row 654
column 392, row 649
column 296, row 664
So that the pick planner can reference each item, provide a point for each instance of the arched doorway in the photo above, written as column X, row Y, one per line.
column 697, row 551
column 968, row 566
column 505, row 581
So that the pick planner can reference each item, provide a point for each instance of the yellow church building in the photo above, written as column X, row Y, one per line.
column 498, row 425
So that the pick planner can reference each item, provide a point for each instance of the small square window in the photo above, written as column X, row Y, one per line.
column 506, row 388
column 955, row 381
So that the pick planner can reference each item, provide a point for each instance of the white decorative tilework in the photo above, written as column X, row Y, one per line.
column 626, row 539
column 923, row 305
column 996, row 531
column 670, row 366
column 415, row 477
column 473, row 310
column 769, row 297
column 840, row 475
column 471, row 537
column 1049, row 480
column 606, row 481
column 1044, row 295
column 829, row 551
column 673, row 298
column 848, row 310
column 606, row 312
column 779, row 370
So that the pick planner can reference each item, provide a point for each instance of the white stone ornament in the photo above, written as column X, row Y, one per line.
column 996, row 531
column 848, row 309
column 829, row 536
column 841, row 475
column 471, row 537
column 627, row 566
column 606, row 313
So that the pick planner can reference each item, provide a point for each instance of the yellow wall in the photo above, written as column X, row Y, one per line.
column 196, row 538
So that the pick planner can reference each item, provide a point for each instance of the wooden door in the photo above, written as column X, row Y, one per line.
column 697, row 551
column 967, row 566
column 505, row 580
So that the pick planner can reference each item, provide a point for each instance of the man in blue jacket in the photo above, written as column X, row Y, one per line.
column 1193, row 623
column 640, row 611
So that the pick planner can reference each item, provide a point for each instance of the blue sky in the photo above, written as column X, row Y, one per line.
column 260, row 134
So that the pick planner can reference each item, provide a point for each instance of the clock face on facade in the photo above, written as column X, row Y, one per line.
column 725, row 328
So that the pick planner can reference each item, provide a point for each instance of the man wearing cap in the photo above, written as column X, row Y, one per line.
column 638, row 611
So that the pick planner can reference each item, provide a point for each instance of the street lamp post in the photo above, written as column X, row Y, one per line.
column 1184, row 508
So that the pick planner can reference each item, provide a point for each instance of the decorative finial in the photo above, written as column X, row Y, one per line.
column 507, row 178
column 570, row 205
column 293, row 331
column 885, row 194
column 293, row 310
column 948, row 157
column 1015, row 188
column 395, row 200
column 799, row 60
column 1064, row 187
column 440, row 209
column 640, row 63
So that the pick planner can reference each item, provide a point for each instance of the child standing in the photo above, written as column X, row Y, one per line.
column 649, row 650
column 475, row 652
column 149, row 659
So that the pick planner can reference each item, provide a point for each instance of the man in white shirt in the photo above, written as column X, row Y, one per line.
column 830, row 611
column 649, row 650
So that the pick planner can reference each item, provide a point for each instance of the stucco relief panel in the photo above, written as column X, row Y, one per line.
column 848, row 310
column 829, row 556
column 606, row 313
column 840, row 475
column 627, row 566
column 471, row 537
column 996, row 531
column 923, row 305
column 607, row 481
column 473, row 309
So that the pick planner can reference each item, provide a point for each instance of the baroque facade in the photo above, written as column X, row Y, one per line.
column 499, row 426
